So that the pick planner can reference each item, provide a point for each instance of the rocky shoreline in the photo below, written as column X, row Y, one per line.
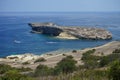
column 70, row 32
column 51, row 59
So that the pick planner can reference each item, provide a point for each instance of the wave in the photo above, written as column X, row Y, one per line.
column 16, row 41
column 51, row 42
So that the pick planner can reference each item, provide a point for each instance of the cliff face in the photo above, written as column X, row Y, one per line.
column 76, row 32
column 46, row 28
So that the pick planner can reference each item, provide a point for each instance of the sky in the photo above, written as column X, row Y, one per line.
column 59, row 5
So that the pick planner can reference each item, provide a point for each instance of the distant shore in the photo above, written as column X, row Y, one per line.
column 50, row 59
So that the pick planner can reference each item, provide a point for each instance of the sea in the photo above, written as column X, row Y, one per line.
column 16, row 36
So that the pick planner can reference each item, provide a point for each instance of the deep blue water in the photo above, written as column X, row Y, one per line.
column 15, row 36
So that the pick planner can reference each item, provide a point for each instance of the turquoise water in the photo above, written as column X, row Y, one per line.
column 15, row 36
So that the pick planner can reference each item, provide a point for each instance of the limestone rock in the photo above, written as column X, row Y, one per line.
column 71, row 32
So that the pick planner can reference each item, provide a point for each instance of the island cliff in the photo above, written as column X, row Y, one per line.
column 70, row 32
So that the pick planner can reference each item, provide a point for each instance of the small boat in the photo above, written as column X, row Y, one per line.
column 16, row 41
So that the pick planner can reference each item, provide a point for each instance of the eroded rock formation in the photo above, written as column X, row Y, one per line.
column 70, row 32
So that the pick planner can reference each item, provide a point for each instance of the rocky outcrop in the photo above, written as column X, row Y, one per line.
column 27, row 57
column 70, row 32
column 46, row 28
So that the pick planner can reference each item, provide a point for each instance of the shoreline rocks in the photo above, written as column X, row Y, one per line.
column 70, row 32
column 23, row 57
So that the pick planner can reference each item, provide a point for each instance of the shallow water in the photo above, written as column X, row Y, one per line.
column 15, row 36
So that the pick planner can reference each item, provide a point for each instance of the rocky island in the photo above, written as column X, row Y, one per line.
column 70, row 32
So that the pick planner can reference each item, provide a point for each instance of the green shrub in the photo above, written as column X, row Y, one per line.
column 91, row 64
column 22, row 69
column 74, row 51
column 108, row 59
column 4, row 68
column 104, row 61
column 116, row 51
column 40, row 60
column 90, row 57
column 89, row 52
column 114, row 71
column 90, row 61
column 14, row 75
column 69, row 57
column 64, row 54
column 90, row 75
column 25, row 63
column 43, row 70
column 87, row 55
column 66, row 65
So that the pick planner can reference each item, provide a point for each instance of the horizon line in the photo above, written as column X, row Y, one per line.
column 51, row 11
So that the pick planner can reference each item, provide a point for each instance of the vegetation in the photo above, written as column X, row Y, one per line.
column 43, row 70
column 64, row 54
column 25, row 63
column 11, row 73
column 94, row 68
column 114, row 71
column 22, row 69
column 90, row 75
column 90, row 61
column 116, row 51
column 4, row 68
column 66, row 65
column 40, row 60
column 79, row 75
column 88, row 55
column 91, row 70
column 14, row 75
column 74, row 51
column 106, row 60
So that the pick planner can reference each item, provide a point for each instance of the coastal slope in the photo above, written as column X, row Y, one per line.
column 51, row 59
